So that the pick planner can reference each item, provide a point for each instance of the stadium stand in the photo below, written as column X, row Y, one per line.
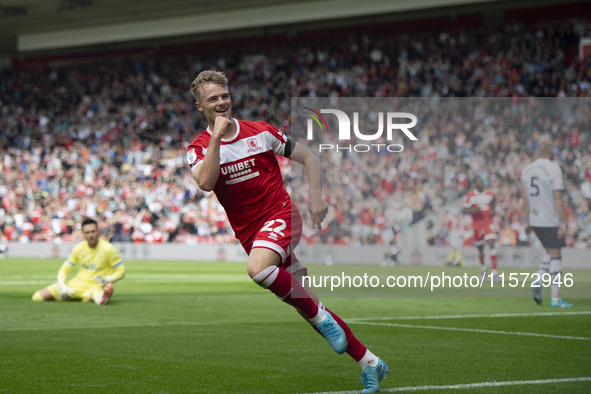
column 106, row 138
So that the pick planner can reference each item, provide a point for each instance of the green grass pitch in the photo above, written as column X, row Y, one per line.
column 187, row 327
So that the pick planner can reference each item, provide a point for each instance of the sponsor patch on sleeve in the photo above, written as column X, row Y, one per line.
column 191, row 156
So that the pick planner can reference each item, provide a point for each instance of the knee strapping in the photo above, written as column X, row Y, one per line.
column 266, row 277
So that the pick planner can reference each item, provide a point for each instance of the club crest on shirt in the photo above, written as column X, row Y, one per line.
column 253, row 144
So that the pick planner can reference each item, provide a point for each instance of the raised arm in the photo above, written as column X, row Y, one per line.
column 207, row 172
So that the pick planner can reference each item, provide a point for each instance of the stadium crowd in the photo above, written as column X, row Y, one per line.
column 107, row 138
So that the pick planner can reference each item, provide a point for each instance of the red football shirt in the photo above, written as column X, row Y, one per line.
column 484, row 201
column 250, row 186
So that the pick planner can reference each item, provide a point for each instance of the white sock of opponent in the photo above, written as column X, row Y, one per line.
column 555, row 274
column 544, row 266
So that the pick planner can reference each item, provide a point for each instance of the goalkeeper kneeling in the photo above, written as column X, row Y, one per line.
column 455, row 259
column 99, row 267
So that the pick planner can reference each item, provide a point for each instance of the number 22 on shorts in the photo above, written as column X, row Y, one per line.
column 279, row 225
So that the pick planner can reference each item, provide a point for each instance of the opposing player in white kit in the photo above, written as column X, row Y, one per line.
column 236, row 159
column 543, row 209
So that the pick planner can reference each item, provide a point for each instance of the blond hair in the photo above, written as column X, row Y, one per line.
column 205, row 77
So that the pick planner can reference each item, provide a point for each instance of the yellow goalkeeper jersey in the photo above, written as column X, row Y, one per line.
column 101, row 260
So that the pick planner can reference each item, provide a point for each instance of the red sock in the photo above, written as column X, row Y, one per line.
column 493, row 258
column 355, row 349
column 288, row 289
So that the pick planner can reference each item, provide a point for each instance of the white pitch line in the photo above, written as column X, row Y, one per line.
column 529, row 334
column 145, row 279
column 491, row 315
column 465, row 386
column 9, row 277
column 228, row 279
column 26, row 282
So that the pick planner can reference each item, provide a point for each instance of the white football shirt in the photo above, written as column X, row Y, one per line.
column 540, row 179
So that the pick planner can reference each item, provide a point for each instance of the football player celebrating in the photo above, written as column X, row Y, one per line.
column 100, row 266
column 236, row 159
column 480, row 204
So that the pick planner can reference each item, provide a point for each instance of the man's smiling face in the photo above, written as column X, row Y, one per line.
column 214, row 100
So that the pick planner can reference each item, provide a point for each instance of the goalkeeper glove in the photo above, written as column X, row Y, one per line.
column 66, row 291
column 103, row 280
